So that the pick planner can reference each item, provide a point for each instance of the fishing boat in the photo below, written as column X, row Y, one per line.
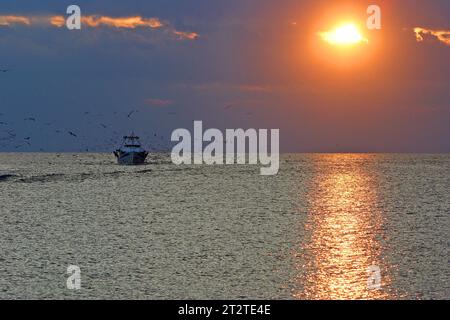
column 131, row 151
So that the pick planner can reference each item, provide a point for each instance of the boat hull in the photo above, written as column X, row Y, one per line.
column 130, row 158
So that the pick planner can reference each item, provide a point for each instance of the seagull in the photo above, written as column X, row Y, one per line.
column 72, row 134
column 131, row 113
column 27, row 138
column 104, row 126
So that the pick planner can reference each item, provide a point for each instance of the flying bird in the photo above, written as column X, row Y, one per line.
column 29, row 119
column 4, row 70
column 72, row 134
column 131, row 113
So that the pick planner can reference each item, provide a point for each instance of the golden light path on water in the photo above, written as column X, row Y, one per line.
column 344, row 226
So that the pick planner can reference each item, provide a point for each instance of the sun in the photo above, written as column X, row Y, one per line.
column 345, row 35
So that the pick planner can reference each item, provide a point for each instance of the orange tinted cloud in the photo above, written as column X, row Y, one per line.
column 57, row 21
column 186, row 35
column 121, row 22
column 95, row 21
column 10, row 20
column 441, row 35
column 134, row 22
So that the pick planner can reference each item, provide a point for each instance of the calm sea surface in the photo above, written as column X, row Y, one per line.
column 210, row 232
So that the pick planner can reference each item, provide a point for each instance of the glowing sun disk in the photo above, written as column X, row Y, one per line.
column 347, row 34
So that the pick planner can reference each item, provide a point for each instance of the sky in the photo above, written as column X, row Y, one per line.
column 230, row 63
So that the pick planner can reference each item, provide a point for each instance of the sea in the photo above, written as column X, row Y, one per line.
column 328, row 226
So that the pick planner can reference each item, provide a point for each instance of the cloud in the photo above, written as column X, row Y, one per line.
column 10, row 20
column 119, row 22
column 96, row 21
column 186, row 35
column 158, row 102
column 442, row 35
column 57, row 21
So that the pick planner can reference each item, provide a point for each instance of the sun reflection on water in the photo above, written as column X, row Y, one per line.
column 344, row 226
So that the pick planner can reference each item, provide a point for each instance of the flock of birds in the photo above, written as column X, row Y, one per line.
column 11, row 138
